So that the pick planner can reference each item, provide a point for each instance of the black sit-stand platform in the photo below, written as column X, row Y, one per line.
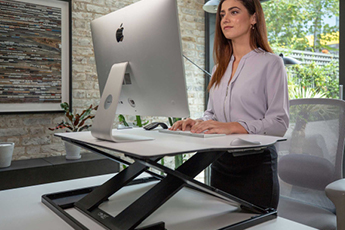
column 87, row 200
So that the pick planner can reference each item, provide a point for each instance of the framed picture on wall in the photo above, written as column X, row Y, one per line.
column 35, row 55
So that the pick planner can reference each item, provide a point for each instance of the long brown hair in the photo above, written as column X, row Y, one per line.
column 223, row 50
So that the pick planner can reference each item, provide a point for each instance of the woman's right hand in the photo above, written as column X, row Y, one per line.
column 183, row 124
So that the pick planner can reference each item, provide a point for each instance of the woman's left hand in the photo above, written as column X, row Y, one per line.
column 211, row 126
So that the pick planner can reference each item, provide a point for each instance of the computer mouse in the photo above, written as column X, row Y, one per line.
column 154, row 125
column 242, row 142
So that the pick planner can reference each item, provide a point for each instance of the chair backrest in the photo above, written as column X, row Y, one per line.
column 312, row 156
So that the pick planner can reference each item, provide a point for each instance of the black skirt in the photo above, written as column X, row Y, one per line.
column 252, row 178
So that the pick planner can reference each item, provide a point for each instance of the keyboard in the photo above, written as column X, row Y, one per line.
column 189, row 133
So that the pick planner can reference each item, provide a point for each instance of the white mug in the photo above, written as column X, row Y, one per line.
column 6, row 152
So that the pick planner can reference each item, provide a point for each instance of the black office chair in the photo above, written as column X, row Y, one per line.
column 312, row 159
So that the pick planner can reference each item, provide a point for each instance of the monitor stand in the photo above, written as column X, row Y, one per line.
column 102, row 125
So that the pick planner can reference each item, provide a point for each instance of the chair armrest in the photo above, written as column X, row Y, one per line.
column 335, row 191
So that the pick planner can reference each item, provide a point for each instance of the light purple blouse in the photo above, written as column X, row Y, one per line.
column 257, row 96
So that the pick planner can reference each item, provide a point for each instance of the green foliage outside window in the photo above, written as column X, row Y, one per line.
column 320, row 81
column 289, row 23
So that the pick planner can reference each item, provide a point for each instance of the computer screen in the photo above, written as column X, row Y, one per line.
column 145, row 37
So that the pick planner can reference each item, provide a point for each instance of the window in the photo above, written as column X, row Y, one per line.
column 307, row 31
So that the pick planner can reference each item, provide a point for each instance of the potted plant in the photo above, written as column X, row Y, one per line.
column 74, row 122
column 139, row 122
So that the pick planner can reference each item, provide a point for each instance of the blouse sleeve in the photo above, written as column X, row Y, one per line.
column 209, row 113
column 276, row 119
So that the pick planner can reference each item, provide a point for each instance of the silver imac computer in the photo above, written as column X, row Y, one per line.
column 139, row 64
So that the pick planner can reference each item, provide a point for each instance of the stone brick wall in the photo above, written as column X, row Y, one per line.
column 30, row 131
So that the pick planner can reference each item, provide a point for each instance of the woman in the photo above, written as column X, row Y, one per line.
column 248, row 94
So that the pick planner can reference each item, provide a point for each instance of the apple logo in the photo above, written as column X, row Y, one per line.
column 119, row 33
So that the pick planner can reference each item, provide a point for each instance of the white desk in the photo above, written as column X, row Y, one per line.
column 146, row 154
column 168, row 144
column 22, row 209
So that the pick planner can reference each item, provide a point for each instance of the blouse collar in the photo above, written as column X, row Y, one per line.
column 251, row 53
